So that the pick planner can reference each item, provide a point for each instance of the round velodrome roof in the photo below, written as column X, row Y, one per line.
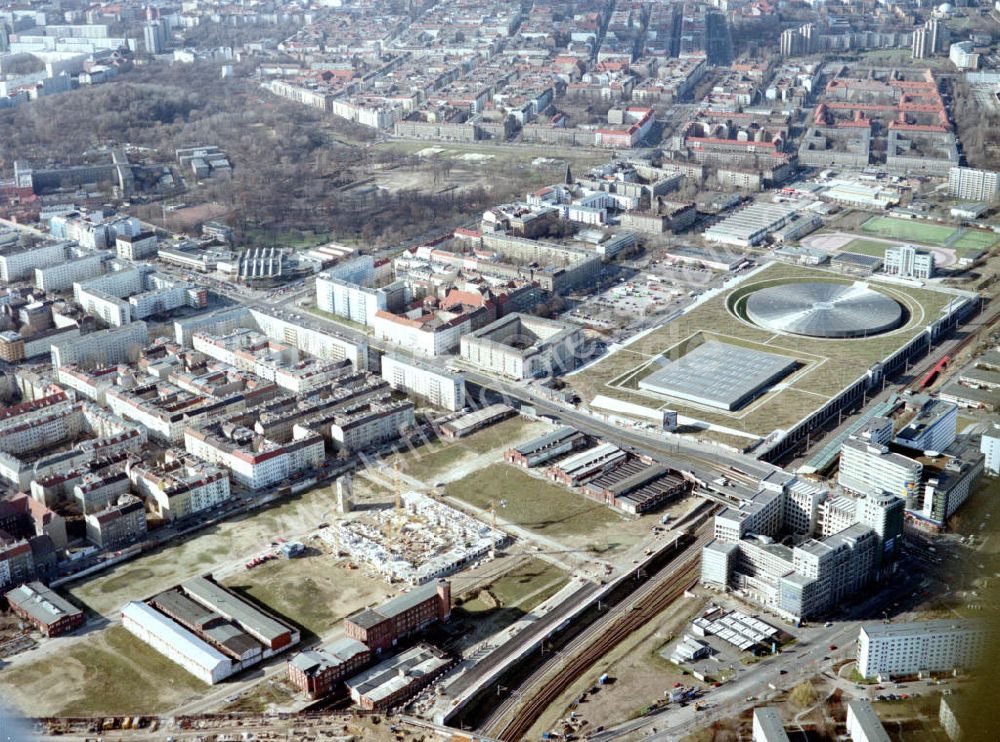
column 824, row 310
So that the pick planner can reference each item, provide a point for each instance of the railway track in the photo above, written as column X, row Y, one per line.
column 513, row 719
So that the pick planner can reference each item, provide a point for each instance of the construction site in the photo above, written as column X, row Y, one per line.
column 418, row 540
column 310, row 727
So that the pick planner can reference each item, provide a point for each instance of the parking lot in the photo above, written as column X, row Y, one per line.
column 724, row 657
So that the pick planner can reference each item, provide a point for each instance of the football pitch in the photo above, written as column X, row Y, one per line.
column 974, row 239
column 909, row 230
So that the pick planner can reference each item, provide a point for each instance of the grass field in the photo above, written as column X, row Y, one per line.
column 975, row 517
column 314, row 591
column 911, row 230
column 912, row 718
column 436, row 460
column 548, row 509
column 899, row 58
column 349, row 323
column 843, row 362
column 975, row 240
column 503, row 435
column 110, row 673
column 526, row 586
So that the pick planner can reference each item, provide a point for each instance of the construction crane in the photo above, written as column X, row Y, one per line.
column 397, row 483
column 396, row 527
column 493, row 525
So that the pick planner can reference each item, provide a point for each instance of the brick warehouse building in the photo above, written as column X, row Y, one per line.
column 380, row 628
column 319, row 672
column 44, row 609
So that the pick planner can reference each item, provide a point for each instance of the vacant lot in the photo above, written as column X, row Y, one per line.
column 270, row 695
column 112, row 672
column 227, row 544
column 314, row 591
column 489, row 608
column 548, row 509
column 348, row 323
column 439, row 459
column 913, row 718
column 526, row 586
column 286, row 238
column 978, row 517
column 504, row 434
column 912, row 230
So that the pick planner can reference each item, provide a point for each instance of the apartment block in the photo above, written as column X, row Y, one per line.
column 79, row 265
column 253, row 460
column 519, row 346
column 136, row 247
column 356, row 302
column 767, row 724
column 371, row 424
column 969, row 184
column 888, row 650
column 439, row 388
column 104, row 347
column 117, row 525
column 253, row 352
column 990, row 448
column 20, row 256
column 863, row 723
column 430, row 332
column 181, row 486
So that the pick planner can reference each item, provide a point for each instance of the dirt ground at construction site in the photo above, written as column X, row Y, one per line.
column 221, row 549
column 315, row 591
column 638, row 675
column 248, row 725
column 275, row 694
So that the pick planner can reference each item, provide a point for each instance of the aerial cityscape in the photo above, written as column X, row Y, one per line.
column 423, row 370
